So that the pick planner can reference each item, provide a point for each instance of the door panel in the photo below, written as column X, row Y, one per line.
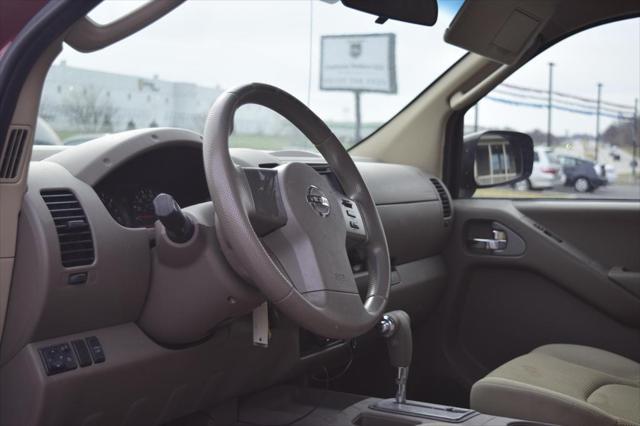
column 501, row 306
column 608, row 232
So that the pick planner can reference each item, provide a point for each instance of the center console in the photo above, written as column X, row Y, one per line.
column 306, row 406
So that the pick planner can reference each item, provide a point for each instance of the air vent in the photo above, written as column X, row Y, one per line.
column 74, row 233
column 14, row 147
column 444, row 198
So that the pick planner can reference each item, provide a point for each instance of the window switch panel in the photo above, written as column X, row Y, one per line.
column 95, row 349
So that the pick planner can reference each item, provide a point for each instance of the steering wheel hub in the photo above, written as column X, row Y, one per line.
column 318, row 201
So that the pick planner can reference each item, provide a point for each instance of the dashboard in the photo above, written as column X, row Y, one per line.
column 111, row 184
column 128, row 192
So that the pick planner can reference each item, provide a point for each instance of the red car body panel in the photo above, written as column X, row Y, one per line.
column 14, row 15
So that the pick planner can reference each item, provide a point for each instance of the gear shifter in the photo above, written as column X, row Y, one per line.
column 395, row 326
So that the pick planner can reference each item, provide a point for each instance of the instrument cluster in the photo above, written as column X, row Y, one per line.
column 128, row 192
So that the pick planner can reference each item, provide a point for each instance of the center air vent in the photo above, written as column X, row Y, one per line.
column 74, row 233
column 444, row 198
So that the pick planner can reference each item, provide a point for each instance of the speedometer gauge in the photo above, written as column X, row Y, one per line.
column 115, row 208
column 142, row 206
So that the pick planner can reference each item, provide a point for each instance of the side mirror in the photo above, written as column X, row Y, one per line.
column 495, row 158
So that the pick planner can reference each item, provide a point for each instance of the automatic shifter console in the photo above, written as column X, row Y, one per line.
column 395, row 326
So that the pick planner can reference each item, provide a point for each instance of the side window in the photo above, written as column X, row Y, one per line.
column 578, row 101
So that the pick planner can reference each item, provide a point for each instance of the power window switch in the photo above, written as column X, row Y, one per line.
column 354, row 224
column 95, row 349
column 82, row 352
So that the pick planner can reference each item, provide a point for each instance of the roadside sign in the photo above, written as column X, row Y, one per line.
column 358, row 62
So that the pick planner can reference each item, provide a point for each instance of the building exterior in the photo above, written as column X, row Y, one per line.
column 82, row 100
column 79, row 101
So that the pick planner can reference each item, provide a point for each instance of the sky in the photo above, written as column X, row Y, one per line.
column 229, row 43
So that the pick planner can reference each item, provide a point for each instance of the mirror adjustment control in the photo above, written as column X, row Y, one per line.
column 95, row 349
column 58, row 358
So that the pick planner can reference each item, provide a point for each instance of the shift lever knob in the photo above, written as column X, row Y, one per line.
column 395, row 326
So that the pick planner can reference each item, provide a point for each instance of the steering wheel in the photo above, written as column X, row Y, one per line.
column 287, row 228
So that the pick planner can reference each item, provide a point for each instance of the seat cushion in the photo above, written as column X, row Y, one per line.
column 563, row 384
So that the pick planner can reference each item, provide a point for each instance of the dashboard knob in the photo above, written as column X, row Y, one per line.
column 179, row 227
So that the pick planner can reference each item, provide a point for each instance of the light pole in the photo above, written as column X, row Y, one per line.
column 636, row 135
column 550, row 105
column 598, row 121
column 358, row 116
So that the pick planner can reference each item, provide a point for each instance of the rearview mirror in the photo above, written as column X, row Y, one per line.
column 421, row 12
column 496, row 158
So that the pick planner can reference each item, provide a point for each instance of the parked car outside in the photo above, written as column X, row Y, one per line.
column 611, row 174
column 546, row 173
column 583, row 175
column 82, row 138
column 45, row 135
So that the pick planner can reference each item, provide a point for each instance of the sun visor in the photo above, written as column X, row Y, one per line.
column 499, row 30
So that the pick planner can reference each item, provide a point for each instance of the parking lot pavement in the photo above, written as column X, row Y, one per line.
column 613, row 191
column 609, row 192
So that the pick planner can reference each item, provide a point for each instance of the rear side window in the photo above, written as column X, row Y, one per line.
column 578, row 101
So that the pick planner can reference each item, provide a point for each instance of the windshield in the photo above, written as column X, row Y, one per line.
column 355, row 74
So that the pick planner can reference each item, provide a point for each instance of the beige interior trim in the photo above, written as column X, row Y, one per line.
column 460, row 99
column 501, row 30
column 6, row 270
column 85, row 36
column 12, row 193
column 89, row 36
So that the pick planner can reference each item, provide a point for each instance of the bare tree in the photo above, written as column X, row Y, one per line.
column 47, row 110
column 89, row 111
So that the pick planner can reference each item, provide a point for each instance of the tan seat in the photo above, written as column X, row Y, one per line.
column 563, row 384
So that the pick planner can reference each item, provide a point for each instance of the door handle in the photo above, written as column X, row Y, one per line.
column 498, row 242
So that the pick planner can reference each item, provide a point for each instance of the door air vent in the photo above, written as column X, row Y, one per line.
column 12, row 155
column 74, row 232
column 444, row 198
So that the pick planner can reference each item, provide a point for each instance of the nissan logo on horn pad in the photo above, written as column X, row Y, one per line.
column 318, row 201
